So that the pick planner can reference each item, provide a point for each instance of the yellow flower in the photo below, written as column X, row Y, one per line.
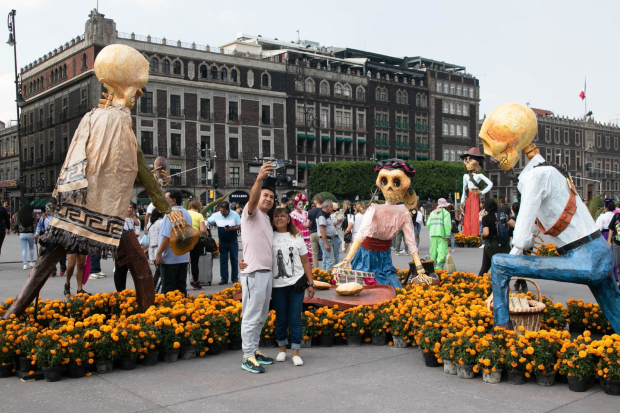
column 177, row 344
column 583, row 354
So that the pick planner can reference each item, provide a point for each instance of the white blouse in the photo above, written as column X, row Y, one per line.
column 468, row 184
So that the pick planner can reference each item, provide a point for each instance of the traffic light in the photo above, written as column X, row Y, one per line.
column 216, row 180
column 588, row 167
column 211, row 194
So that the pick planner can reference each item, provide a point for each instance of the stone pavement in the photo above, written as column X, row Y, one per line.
column 343, row 379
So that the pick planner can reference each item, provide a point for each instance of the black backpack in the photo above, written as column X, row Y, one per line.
column 502, row 232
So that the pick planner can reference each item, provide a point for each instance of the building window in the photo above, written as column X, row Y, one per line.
column 445, row 107
column 146, row 103
column 452, row 155
column 324, row 88
column 177, row 68
column 175, row 144
column 445, row 128
column 203, row 71
column 471, row 92
column 446, row 155
column 224, row 75
column 205, row 109
column 361, row 93
column 175, row 173
column 465, row 105
column 451, row 89
column 84, row 65
column 438, row 87
column 213, row 72
column 266, row 148
column 378, row 94
column 547, row 135
column 346, row 91
column 347, row 120
column 458, row 90
column 464, row 130
column 266, row 115
column 233, row 75
column 233, row 148
column 265, row 81
column 233, row 111
column 451, row 129
column 556, row 136
column 146, row 142
column 175, row 105
column 458, row 130
column 577, row 138
column 338, row 90
column 452, row 108
column 607, row 143
column 165, row 66
column 458, row 108
column 309, row 86
column 361, row 122
column 339, row 119
column 615, row 142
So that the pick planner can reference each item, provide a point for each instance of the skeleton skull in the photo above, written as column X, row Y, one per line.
column 123, row 71
column 506, row 131
column 394, row 185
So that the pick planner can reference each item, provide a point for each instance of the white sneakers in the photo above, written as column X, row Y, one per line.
column 31, row 264
column 297, row 361
column 97, row 275
column 25, row 266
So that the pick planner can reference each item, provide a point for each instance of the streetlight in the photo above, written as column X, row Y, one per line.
column 19, row 101
column 308, row 116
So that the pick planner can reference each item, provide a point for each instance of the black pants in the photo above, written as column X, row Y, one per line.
column 157, row 279
column 194, row 256
column 491, row 247
column 120, row 277
column 2, row 235
column 174, row 277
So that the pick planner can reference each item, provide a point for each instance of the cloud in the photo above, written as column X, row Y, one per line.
column 23, row 4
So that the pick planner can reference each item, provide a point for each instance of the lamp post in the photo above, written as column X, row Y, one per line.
column 209, row 154
column 308, row 116
column 19, row 101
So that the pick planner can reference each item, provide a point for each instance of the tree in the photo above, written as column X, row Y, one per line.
column 346, row 179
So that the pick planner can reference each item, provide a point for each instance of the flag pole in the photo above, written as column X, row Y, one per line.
column 585, row 100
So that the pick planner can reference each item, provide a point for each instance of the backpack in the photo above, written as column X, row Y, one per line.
column 617, row 231
column 502, row 232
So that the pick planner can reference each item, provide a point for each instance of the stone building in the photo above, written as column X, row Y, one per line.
column 590, row 151
column 9, row 167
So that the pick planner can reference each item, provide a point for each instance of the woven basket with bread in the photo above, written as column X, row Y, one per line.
column 523, row 311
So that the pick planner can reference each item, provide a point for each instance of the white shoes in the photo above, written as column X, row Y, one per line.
column 25, row 266
column 31, row 264
column 281, row 356
column 403, row 252
column 482, row 246
column 298, row 361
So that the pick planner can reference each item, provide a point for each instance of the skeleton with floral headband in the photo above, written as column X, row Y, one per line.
column 370, row 250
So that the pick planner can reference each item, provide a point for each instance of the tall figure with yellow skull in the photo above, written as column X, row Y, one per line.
column 95, row 184
column 549, row 204
column 370, row 250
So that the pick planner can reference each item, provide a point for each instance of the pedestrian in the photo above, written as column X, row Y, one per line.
column 347, row 224
column 172, row 267
column 502, row 209
column 337, row 218
column 489, row 232
column 328, row 233
column 311, row 224
column 120, row 271
column 25, row 226
column 198, row 222
column 257, row 278
column 290, row 264
column 5, row 225
column 481, row 215
column 360, row 209
column 455, row 225
column 417, row 217
column 613, row 229
column 285, row 203
column 228, row 223
column 299, row 217
column 153, row 228
column 439, row 227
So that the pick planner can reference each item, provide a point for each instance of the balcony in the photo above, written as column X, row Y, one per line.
column 360, row 128
column 404, row 145
column 28, row 163
column 206, row 116
column 234, row 155
column 39, row 125
column 233, row 120
column 50, row 121
column 266, row 121
column 421, row 128
column 422, row 146
column 176, row 113
column 379, row 123
column 39, row 161
column 49, row 159
column 403, row 125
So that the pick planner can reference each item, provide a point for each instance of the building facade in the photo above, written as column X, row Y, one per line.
column 9, row 167
column 588, row 149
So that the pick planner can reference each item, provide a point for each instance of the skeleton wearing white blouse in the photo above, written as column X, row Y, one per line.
column 469, row 185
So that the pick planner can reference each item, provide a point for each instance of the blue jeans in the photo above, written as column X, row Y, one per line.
column 232, row 249
column 337, row 245
column 452, row 240
column 328, row 256
column 27, row 241
column 591, row 264
column 288, row 305
column 95, row 263
column 480, row 234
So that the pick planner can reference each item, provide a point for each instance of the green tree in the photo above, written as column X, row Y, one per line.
column 346, row 179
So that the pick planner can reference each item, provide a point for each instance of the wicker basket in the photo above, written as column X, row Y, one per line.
column 529, row 318
column 343, row 276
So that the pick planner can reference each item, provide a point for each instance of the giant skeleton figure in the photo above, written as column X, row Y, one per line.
column 549, row 204
column 96, row 181
column 370, row 250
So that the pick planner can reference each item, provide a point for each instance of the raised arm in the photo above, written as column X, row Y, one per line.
column 151, row 186
column 264, row 172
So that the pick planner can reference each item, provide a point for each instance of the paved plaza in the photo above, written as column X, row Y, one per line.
column 344, row 379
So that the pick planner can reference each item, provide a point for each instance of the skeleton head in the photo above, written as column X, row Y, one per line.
column 506, row 131
column 394, row 179
column 123, row 71
column 472, row 159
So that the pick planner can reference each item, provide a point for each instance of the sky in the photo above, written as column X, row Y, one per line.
column 524, row 51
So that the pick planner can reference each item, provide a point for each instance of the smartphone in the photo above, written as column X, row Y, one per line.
column 278, row 164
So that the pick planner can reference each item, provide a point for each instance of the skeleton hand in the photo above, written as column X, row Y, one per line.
column 176, row 219
column 342, row 263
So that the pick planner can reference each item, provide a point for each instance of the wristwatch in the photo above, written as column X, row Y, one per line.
column 311, row 285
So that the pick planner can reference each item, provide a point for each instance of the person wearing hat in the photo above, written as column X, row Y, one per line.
column 473, row 160
column 439, row 226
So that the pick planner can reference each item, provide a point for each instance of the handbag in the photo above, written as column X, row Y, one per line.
column 301, row 284
column 348, row 237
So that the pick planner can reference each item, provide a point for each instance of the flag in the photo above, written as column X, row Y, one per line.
column 582, row 95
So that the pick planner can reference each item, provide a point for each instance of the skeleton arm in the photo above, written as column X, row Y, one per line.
column 465, row 190
column 151, row 186
column 488, row 182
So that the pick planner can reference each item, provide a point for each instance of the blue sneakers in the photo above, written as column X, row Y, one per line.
column 262, row 359
column 250, row 364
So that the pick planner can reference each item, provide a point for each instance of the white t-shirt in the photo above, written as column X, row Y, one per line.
column 150, row 208
column 287, row 268
column 357, row 223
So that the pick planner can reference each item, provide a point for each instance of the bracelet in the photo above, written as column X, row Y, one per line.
column 158, row 255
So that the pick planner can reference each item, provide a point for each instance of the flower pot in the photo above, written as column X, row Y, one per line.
column 170, row 356
column 214, row 349
column 339, row 340
column 25, row 364
column 127, row 363
column 75, row 372
column 545, row 379
column 577, row 385
column 465, row 371
column 269, row 342
column 327, row 341
column 235, row 344
column 612, row 387
column 316, row 340
column 187, row 352
column 150, row 359
column 493, row 377
column 379, row 339
column 516, row 377
column 430, row 360
column 52, row 373
column 576, row 328
column 449, row 367
column 104, row 366
column 354, row 341
column 399, row 342
column 6, row 370
column 461, row 245
column 306, row 343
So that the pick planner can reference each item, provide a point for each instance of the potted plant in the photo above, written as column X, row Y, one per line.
column 546, row 346
column 51, row 354
column 78, row 352
column 595, row 320
column 127, row 345
column 554, row 316
column 168, row 339
column 326, row 323
column 7, row 348
column 578, row 362
column 491, row 351
column 190, row 340
column 428, row 339
column 576, row 316
column 309, row 327
column 517, row 357
column 378, row 317
column 234, row 328
column 268, row 333
column 446, row 351
column 353, row 322
column 25, row 342
column 399, row 324
column 149, row 354
column 465, row 353
column 103, row 346
column 608, row 348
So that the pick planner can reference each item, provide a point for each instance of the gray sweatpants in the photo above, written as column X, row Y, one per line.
column 255, row 293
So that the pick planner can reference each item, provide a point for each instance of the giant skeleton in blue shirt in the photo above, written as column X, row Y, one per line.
column 549, row 204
